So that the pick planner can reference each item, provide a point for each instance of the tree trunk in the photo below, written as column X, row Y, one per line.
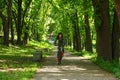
column 115, row 38
column 10, row 19
column 103, row 42
column 16, row 23
column 5, row 29
column 12, row 34
column 25, row 38
column 19, row 23
column 117, row 7
column 26, row 35
column 88, row 41
column 74, row 41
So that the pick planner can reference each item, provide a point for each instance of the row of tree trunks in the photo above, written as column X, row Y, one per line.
column 76, row 32
column 102, row 23
column 19, row 19
column 107, row 44
column 7, row 22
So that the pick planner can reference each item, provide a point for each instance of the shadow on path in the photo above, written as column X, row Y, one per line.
column 72, row 68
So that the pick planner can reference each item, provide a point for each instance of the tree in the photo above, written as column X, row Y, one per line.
column 26, row 31
column 117, row 7
column 6, row 20
column 9, row 12
column 5, row 29
column 19, row 22
column 115, row 38
column 102, row 24
column 88, row 40
column 76, row 32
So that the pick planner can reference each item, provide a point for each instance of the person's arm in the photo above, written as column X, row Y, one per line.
column 63, row 41
column 55, row 41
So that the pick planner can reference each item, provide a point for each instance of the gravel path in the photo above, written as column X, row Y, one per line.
column 72, row 68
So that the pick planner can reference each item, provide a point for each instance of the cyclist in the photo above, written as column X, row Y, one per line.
column 60, row 41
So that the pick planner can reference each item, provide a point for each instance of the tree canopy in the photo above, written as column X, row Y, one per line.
column 84, row 23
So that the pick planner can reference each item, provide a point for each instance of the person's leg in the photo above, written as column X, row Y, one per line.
column 62, row 51
column 59, row 54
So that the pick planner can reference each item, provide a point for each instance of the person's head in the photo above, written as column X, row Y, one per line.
column 60, row 35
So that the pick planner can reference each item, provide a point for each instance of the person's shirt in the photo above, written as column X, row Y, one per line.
column 60, row 41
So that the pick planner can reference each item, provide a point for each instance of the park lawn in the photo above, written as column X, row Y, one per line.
column 16, row 62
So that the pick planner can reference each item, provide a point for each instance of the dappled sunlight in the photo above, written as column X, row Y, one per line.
column 74, row 58
column 60, row 69
column 68, row 73
column 23, row 50
column 11, row 69
column 17, row 60
column 96, row 74
column 50, row 69
column 5, row 49
column 72, row 68
column 2, row 61
column 12, row 51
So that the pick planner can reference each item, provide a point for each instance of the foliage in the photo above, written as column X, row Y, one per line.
column 42, row 44
column 43, row 17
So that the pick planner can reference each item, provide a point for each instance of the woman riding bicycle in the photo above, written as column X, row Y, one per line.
column 60, row 53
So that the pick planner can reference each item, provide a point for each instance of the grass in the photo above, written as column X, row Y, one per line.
column 16, row 61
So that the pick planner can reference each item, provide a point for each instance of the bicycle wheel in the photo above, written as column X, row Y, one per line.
column 59, row 54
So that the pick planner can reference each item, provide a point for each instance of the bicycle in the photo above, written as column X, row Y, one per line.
column 60, row 54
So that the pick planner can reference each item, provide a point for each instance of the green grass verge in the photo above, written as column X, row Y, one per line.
column 16, row 62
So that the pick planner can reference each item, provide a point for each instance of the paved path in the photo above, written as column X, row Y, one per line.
column 72, row 68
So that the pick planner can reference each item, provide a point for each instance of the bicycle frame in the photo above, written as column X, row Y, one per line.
column 59, row 54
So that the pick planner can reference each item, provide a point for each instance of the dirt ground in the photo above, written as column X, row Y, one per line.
column 72, row 68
